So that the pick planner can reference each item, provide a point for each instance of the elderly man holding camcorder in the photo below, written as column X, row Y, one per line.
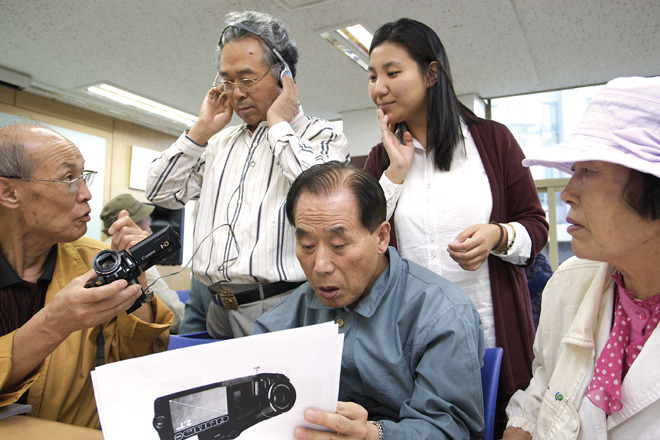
column 49, row 321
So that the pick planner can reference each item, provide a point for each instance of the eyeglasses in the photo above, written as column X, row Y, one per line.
column 246, row 84
column 74, row 185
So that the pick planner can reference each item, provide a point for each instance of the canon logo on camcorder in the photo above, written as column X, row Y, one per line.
column 148, row 255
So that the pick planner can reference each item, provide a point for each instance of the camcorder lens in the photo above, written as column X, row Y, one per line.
column 106, row 262
column 111, row 265
column 282, row 397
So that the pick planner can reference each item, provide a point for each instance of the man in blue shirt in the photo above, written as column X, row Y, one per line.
column 413, row 342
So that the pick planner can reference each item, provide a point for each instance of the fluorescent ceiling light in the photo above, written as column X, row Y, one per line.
column 133, row 100
column 353, row 41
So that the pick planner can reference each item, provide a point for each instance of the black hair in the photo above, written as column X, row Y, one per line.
column 443, row 128
column 322, row 179
column 642, row 194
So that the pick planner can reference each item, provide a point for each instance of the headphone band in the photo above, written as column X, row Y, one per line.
column 239, row 25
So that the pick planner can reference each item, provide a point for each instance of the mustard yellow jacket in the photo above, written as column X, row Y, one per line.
column 61, row 387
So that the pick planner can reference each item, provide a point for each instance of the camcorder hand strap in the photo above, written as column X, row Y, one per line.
column 100, row 348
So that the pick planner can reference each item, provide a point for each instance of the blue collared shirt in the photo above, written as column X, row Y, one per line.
column 413, row 348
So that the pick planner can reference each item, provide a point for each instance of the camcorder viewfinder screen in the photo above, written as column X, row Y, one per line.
column 193, row 409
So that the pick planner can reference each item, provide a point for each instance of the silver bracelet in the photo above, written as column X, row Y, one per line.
column 379, row 427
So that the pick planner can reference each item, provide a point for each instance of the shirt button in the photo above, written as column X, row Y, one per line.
column 642, row 315
column 340, row 322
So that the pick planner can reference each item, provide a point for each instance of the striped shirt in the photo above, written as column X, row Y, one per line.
column 241, row 180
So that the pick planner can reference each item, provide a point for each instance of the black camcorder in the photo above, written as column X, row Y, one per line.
column 223, row 410
column 111, row 265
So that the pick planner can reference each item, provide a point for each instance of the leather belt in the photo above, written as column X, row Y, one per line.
column 230, row 296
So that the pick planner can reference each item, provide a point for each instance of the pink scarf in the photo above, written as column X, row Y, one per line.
column 634, row 321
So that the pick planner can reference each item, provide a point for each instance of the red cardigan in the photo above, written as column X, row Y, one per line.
column 514, row 199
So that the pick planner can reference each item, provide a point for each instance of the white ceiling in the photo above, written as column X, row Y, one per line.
column 164, row 49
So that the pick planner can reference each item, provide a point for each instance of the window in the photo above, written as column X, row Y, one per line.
column 542, row 120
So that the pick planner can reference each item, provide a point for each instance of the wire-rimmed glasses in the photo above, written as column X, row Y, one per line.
column 87, row 176
column 245, row 84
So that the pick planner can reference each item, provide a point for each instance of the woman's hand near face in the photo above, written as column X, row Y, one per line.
column 401, row 155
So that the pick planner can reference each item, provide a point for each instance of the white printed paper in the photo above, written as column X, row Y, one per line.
column 208, row 389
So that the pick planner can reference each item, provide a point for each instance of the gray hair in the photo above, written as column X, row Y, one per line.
column 15, row 161
column 273, row 31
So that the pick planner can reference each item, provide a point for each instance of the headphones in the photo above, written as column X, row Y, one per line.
column 285, row 71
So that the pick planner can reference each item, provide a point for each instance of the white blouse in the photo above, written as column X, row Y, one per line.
column 433, row 207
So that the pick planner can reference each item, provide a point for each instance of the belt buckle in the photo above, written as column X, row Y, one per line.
column 227, row 300
column 223, row 296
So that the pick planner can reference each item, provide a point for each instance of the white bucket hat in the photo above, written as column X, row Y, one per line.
column 621, row 125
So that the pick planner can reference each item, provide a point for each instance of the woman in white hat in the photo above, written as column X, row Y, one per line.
column 597, row 350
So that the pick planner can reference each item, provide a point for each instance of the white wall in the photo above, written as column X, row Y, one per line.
column 362, row 130
column 474, row 103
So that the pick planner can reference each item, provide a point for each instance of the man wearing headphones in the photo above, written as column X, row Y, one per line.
column 245, row 249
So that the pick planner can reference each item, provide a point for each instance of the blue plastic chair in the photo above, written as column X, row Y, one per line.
column 180, row 341
column 183, row 295
column 490, row 379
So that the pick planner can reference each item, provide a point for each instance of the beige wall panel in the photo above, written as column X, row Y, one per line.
column 61, row 110
column 7, row 95
column 180, row 281
column 125, row 136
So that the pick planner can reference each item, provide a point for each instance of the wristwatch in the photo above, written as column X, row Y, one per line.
column 148, row 294
column 379, row 427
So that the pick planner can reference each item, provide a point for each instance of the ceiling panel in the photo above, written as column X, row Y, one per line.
column 164, row 49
